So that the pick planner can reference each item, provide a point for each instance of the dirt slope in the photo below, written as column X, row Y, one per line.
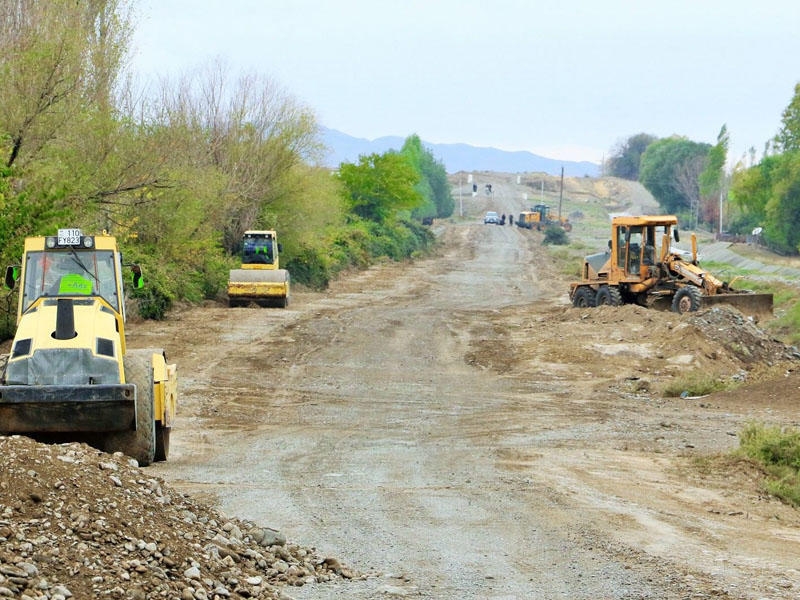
column 452, row 428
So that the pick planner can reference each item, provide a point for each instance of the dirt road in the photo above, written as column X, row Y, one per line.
column 453, row 429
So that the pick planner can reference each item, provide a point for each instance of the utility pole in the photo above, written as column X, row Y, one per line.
column 460, row 195
column 561, row 193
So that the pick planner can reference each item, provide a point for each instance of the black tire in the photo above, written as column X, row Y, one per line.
column 162, row 442
column 584, row 297
column 686, row 299
column 141, row 442
column 608, row 295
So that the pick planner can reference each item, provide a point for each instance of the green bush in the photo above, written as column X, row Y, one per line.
column 556, row 236
column 309, row 267
column 153, row 299
column 694, row 384
column 8, row 314
column 778, row 451
column 211, row 280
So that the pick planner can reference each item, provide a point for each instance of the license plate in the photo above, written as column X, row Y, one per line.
column 69, row 237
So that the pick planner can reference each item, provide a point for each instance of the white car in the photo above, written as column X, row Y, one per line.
column 491, row 217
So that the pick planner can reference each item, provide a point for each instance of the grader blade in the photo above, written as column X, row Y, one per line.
column 749, row 304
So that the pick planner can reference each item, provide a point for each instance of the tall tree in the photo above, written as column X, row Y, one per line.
column 380, row 186
column 670, row 170
column 783, row 207
column 712, row 179
column 59, row 63
column 247, row 131
column 627, row 155
column 433, row 185
column 788, row 137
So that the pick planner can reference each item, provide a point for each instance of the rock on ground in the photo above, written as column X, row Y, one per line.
column 78, row 523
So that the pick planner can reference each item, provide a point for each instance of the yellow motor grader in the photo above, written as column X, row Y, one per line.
column 260, row 279
column 641, row 267
column 69, row 375
column 542, row 216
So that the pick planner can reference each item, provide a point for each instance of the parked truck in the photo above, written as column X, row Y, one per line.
column 642, row 267
column 70, row 374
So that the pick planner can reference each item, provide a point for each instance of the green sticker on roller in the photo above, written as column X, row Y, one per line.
column 75, row 285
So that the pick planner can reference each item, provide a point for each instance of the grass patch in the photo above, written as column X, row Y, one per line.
column 777, row 449
column 726, row 271
column 785, row 326
column 568, row 259
column 695, row 384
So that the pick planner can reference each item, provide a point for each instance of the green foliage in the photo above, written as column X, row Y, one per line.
column 782, row 231
column 309, row 267
column 556, row 236
column 178, row 177
column 767, row 195
column 357, row 245
column 751, row 190
column 625, row 159
column 433, row 185
column 154, row 298
column 380, row 186
column 670, row 170
column 777, row 450
column 713, row 177
column 366, row 240
column 788, row 138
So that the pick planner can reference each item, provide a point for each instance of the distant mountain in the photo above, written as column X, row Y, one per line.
column 455, row 157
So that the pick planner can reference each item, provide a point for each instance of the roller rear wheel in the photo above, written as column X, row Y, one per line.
column 141, row 442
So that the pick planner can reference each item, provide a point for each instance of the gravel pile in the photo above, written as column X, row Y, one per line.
column 741, row 336
column 78, row 523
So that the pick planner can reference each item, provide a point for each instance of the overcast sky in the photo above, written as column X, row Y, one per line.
column 566, row 80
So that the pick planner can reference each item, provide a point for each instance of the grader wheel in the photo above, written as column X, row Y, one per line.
column 686, row 299
column 608, row 295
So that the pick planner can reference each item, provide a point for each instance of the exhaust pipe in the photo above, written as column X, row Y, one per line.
column 65, row 320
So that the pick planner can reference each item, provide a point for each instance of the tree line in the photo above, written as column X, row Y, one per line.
column 177, row 171
column 690, row 179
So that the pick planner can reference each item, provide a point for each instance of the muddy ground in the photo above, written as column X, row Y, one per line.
column 453, row 428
